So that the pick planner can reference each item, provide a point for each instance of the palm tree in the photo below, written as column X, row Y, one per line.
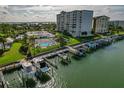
column 32, row 43
column 62, row 40
column 119, row 28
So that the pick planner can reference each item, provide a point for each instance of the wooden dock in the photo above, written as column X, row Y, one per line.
column 50, row 63
column 46, row 55
column 65, row 58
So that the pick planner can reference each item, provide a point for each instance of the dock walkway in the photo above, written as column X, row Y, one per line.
column 48, row 54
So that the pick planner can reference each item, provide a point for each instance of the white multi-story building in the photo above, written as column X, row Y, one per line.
column 118, row 23
column 77, row 23
column 100, row 24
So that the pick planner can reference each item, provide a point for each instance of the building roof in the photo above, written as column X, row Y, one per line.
column 101, row 16
column 40, row 33
column 26, row 64
column 9, row 40
column 76, row 11
column 35, row 60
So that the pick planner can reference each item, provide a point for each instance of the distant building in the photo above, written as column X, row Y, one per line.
column 19, row 37
column 117, row 23
column 77, row 23
column 100, row 24
column 9, row 40
column 7, row 44
column 40, row 34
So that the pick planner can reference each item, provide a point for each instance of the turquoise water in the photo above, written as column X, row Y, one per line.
column 45, row 44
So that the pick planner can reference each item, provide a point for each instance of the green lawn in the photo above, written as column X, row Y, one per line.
column 71, row 40
column 2, row 34
column 43, row 50
column 12, row 55
column 121, row 33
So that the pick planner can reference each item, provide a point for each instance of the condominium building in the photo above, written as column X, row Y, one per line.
column 118, row 23
column 77, row 23
column 100, row 24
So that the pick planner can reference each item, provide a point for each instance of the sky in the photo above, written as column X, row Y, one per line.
column 47, row 13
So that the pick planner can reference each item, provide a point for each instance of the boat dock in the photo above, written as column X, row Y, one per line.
column 60, row 51
column 62, row 56
column 65, row 58
column 50, row 63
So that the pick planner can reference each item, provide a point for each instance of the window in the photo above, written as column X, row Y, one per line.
column 84, row 33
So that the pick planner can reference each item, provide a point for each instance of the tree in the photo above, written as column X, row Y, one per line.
column 31, row 43
column 1, row 52
column 3, row 40
column 29, row 55
column 112, row 28
column 51, row 27
column 62, row 40
column 23, row 49
column 119, row 28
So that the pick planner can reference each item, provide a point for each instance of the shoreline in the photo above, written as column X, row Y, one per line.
column 47, row 55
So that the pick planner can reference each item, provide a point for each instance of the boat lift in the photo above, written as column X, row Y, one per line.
column 50, row 63
column 75, row 51
column 65, row 58
column 38, row 62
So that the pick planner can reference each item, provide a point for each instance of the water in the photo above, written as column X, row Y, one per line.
column 102, row 68
column 45, row 44
column 13, row 79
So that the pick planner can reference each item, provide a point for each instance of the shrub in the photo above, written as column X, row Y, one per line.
column 23, row 49
column 29, row 55
column 1, row 52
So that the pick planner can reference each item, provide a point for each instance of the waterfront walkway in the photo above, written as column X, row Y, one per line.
column 46, row 55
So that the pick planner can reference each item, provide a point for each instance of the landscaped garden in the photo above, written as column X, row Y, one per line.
column 36, row 51
column 11, row 55
column 70, row 40
column 43, row 44
column 60, row 39
column 120, row 32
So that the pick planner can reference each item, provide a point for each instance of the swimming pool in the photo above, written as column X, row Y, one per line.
column 44, row 44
